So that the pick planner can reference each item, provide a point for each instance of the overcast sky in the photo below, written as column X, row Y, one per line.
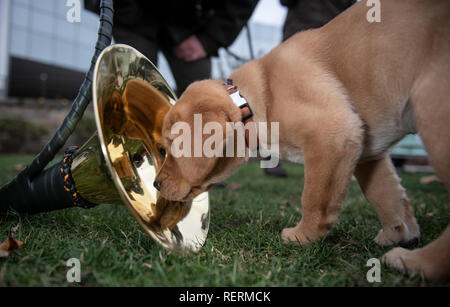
column 269, row 12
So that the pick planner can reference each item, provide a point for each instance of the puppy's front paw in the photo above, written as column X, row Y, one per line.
column 398, row 234
column 384, row 239
column 293, row 235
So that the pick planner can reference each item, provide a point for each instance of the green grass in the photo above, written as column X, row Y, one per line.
column 243, row 246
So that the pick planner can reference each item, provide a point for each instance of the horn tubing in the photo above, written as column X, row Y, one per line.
column 45, row 193
column 33, row 187
column 53, row 189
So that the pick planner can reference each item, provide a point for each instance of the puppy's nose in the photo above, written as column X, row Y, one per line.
column 157, row 185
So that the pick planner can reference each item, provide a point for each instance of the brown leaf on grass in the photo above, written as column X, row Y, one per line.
column 429, row 179
column 234, row 185
column 222, row 255
column 19, row 167
column 350, row 242
column 9, row 245
column 14, row 229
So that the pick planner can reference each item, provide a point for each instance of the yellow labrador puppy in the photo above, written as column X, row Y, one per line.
column 343, row 95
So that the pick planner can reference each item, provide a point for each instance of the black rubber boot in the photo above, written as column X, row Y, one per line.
column 278, row 171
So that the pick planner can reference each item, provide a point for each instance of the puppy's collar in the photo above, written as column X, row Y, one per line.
column 239, row 101
column 246, row 111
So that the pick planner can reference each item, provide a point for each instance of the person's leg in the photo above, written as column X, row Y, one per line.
column 142, row 44
column 186, row 73
column 306, row 14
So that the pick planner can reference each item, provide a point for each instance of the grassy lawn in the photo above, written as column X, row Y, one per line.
column 243, row 247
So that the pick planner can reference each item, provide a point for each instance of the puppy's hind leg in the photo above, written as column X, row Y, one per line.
column 431, row 261
column 381, row 187
column 431, row 100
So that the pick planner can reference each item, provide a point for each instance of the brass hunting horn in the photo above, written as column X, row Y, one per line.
column 119, row 163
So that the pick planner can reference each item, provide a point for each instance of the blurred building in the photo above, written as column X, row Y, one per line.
column 42, row 54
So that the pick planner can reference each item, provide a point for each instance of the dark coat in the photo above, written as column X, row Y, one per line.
column 216, row 23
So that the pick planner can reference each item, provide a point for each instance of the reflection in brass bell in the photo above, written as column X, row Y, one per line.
column 119, row 163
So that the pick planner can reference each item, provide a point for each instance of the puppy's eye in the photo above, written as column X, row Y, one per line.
column 162, row 152
column 137, row 160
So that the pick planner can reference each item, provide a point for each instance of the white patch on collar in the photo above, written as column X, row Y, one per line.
column 238, row 100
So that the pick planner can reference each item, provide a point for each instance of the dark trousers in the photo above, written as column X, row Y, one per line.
column 184, row 72
column 310, row 14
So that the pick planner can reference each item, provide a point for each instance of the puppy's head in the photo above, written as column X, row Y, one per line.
column 186, row 174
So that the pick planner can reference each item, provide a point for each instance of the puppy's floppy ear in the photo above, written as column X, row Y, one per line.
column 213, row 133
column 223, row 135
column 234, row 129
column 212, row 96
column 232, row 112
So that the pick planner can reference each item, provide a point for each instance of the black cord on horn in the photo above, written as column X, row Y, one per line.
column 81, row 101
column 22, row 193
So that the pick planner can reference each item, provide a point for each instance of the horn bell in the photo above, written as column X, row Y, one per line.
column 119, row 163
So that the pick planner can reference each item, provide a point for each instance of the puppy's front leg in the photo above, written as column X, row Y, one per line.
column 329, row 164
column 381, row 186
